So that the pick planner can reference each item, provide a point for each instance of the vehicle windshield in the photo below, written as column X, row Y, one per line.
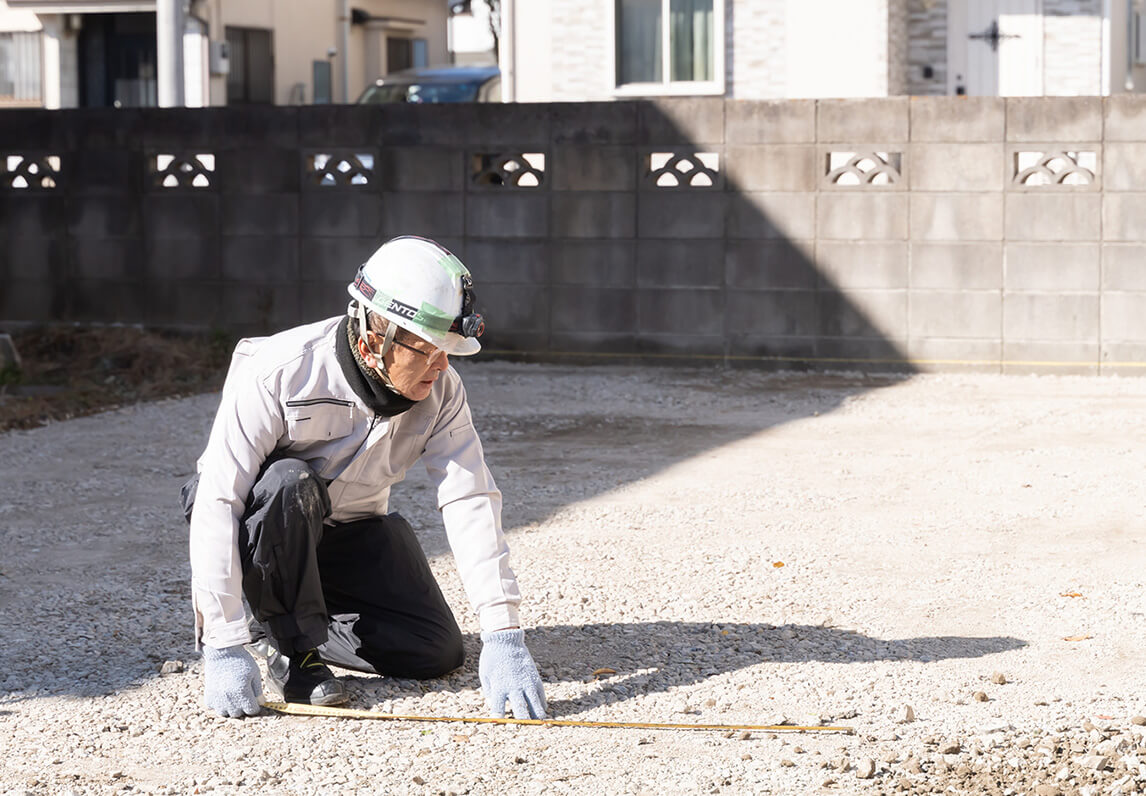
column 421, row 92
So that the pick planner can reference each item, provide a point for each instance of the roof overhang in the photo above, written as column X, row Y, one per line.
column 82, row 6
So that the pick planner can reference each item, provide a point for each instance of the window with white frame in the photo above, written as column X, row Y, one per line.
column 20, row 68
column 668, row 42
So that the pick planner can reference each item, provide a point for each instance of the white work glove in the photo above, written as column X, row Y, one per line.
column 231, row 681
column 507, row 672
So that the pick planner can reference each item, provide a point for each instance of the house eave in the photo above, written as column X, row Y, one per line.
column 82, row 6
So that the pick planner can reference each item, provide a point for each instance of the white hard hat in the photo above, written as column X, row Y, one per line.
column 423, row 288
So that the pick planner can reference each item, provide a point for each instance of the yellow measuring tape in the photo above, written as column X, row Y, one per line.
column 295, row 709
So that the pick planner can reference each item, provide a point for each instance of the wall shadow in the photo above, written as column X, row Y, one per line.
column 607, row 265
column 604, row 268
column 654, row 657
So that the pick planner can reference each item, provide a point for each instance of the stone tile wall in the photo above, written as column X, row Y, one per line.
column 926, row 70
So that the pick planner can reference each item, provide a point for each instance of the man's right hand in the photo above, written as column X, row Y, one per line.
column 231, row 681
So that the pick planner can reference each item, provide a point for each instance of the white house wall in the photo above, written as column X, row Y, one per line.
column 470, row 38
column 755, row 49
column 836, row 48
column 581, row 49
column 774, row 49
column 1072, row 41
column 14, row 20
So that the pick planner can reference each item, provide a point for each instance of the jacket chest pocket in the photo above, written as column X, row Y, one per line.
column 409, row 438
column 318, row 420
column 386, row 460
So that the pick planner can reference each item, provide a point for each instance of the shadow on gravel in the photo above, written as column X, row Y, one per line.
column 654, row 657
column 651, row 657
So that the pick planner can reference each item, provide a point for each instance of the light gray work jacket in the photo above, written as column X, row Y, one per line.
column 286, row 396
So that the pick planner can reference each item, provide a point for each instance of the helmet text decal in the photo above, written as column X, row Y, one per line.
column 363, row 286
column 405, row 310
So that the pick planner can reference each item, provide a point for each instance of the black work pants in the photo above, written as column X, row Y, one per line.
column 361, row 592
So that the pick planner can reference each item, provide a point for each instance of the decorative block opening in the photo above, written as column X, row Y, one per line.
column 187, row 170
column 23, row 172
column 678, row 169
column 864, row 168
column 1061, row 167
column 516, row 170
column 330, row 170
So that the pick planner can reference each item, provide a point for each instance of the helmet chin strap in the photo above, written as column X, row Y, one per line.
column 387, row 342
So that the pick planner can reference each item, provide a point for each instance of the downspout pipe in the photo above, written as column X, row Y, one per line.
column 508, row 54
column 169, row 22
column 344, row 50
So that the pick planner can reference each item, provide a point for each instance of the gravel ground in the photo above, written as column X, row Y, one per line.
column 950, row 564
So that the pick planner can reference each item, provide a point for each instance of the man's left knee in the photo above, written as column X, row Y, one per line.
column 443, row 654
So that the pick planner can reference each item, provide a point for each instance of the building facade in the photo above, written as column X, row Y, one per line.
column 106, row 53
column 570, row 50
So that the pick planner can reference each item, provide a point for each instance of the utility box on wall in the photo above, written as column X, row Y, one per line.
column 219, row 58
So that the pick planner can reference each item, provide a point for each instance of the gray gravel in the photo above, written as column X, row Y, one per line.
column 950, row 564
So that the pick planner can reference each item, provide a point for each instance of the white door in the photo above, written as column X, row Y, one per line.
column 995, row 48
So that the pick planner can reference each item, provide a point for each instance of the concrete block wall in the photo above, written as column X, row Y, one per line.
column 935, row 233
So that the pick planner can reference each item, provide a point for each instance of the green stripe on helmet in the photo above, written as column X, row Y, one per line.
column 453, row 266
column 433, row 318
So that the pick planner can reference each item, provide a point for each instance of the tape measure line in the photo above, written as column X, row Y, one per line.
column 295, row 709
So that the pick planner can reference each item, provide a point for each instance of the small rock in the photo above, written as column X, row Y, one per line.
column 865, row 769
column 827, row 783
column 171, row 667
column 911, row 765
column 710, row 703
column 979, row 696
column 418, row 780
column 1047, row 789
column 786, row 763
column 950, row 748
column 744, row 736
column 998, row 678
column 745, row 756
column 520, row 760
column 1095, row 762
column 905, row 715
column 1139, row 720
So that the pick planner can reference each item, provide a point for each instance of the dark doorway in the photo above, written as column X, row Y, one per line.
column 252, row 76
column 117, row 57
column 399, row 54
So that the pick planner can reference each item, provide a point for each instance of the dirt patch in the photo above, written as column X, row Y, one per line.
column 68, row 372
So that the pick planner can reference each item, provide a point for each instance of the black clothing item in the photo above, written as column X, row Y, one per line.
column 304, row 678
column 363, row 380
column 361, row 592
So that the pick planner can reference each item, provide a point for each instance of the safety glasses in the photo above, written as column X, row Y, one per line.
column 433, row 357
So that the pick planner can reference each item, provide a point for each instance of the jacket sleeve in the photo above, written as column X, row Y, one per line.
column 246, row 430
column 471, row 511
